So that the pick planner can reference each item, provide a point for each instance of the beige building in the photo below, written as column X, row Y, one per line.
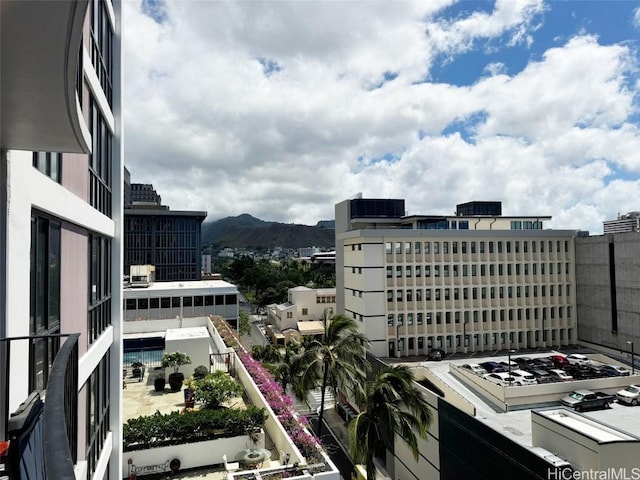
column 303, row 313
column 476, row 281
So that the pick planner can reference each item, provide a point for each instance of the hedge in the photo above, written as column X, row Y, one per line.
column 160, row 430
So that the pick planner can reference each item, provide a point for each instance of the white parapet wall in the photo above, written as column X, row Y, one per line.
column 190, row 455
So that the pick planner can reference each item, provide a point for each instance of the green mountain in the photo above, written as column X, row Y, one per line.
column 245, row 231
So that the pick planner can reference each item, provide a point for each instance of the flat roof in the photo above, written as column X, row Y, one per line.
column 312, row 327
column 187, row 333
column 192, row 286
column 516, row 424
column 597, row 431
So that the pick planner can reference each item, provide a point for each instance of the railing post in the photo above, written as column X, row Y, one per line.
column 5, row 351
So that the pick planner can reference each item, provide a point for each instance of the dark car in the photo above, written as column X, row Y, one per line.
column 582, row 372
column 541, row 363
column 435, row 354
column 542, row 376
column 522, row 361
column 493, row 367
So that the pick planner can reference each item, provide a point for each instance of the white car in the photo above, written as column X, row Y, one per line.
column 523, row 378
column 578, row 359
column 630, row 395
column 501, row 378
column 474, row 368
column 559, row 375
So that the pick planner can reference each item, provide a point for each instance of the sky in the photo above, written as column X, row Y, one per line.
column 281, row 109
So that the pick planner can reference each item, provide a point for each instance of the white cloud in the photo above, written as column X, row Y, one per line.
column 211, row 131
column 636, row 17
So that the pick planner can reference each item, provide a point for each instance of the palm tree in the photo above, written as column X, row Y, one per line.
column 392, row 405
column 338, row 356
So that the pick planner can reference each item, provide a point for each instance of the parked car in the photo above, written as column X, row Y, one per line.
column 541, row 363
column 501, row 378
column 541, row 376
column 514, row 365
column 578, row 359
column 558, row 375
column 523, row 361
column 493, row 367
column 582, row 372
column 559, row 361
column 630, row 395
column 474, row 368
column 584, row 399
column 614, row 371
column 523, row 378
column 435, row 354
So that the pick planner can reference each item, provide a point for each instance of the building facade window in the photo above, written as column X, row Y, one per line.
column 98, row 421
column 101, row 47
column 100, row 161
column 49, row 163
column 99, row 287
column 44, row 297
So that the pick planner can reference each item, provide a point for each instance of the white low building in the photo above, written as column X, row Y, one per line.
column 163, row 300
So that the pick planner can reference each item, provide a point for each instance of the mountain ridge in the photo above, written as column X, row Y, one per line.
column 247, row 231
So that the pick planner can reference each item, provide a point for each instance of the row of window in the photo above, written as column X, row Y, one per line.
column 519, row 291
column 478, row 316
column 485, row 340
column 326, row 299
column 491, row 246
column 45, row 292
column 174, row 302
column 491, row 269
column 173, row 240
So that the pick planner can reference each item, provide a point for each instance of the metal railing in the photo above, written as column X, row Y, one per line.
column 57, row 445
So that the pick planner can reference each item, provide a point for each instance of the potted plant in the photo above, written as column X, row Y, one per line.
column 175, row 360
column 159, row 383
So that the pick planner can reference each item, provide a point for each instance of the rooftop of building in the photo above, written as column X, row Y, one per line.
column 185, row 285
column 618, row 421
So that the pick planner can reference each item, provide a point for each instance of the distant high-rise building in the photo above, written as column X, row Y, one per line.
column 629, row 222
column 144, row 193
column 61, row 180
column 476, row 281
column 156, row 235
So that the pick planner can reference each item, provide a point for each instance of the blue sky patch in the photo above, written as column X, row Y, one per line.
column 467, row 126
column 155, row 9
column 269, row 67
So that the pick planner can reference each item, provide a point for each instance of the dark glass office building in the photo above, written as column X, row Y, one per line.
column 170, row 240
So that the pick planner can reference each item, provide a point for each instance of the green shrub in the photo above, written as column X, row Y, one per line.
column 215, row 388
column 159, row 430
column 200, row 372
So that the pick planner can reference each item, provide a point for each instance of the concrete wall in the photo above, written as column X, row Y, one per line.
column 427, row 466
column 189, row 454
column 594, row 299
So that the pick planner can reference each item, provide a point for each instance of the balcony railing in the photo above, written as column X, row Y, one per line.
column 42, row 437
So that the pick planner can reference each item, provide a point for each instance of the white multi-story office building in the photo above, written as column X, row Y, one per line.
column 475, row 281
column 61, row 180
column 628, row 222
